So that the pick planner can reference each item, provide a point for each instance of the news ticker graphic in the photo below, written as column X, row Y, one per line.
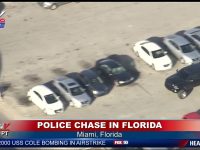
column 2, row 23
column 100, row 133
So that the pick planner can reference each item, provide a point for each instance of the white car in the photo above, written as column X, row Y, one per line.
column 72, row 91
column 182, row 49
column 153, row 55
column 45, row 99
column 194, row 35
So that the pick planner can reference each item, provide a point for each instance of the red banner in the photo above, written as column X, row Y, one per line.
column 101, row 125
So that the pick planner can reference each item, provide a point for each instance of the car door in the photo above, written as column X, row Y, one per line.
column 38, row 100
column 146, row 55
column 86, row 83
column 194, row 80
column 65, row 91
column 175, row 49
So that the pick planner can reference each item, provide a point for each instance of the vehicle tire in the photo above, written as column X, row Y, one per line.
column 53, row 7
column 182, row 61
column 182, row 94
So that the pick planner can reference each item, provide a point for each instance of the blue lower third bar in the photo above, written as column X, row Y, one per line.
column 88, row 142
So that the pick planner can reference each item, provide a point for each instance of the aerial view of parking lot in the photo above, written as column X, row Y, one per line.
column 100, row 60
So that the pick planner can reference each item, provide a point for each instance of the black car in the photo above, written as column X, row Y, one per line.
column 114, row 71
column 184, row 80
column 93, row 82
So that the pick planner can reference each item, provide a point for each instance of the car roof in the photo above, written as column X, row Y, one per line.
column 109, row 62
column 194, row 68
column 193, row 31
column 67, row 81
column 42, row 89
column 151, row 46
column 179, row 40
column 89, row 73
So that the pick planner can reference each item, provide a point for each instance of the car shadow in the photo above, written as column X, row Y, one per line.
column 4, row 87
column 76, row 76
column 181, row 33
column 189, row 92
column 128, row 63
column 57, row 92
column 159, row 41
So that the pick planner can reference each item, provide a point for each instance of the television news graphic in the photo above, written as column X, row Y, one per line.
column 101, row 133
column 2, row 23
column 4, row 129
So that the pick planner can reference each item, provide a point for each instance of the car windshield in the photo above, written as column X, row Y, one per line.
column 187, row 48
column 77, row 90
column 118, row 70
column 158, row 53
column 50, row 99
column 196, row 36
column 96, row 80
column 183, row 74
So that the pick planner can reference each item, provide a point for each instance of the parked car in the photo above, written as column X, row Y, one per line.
column 2, row 9
column 115, row 71
column 72, row 91
column 184, row 80
column 45, row 99
column 192, row 115
column 51, row 5
column 182, row 49
column 153, row 55
column 194, row 36
column 93, row 82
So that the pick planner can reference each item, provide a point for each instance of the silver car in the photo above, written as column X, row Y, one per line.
column 72, row 91
column 194, row 36
column 51, row 5
column 182, row 49
column 2, row 9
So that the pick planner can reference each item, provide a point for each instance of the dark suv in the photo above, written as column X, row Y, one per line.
column 184, row 80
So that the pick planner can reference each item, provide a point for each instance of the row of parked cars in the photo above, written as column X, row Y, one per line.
column 79, row 89
column 185, row 48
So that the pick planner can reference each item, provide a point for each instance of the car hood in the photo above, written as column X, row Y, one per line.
column 56, row 105
column 82, row 98
column 125, row 76
column 194, row 54
column 163, row 60
column 99, row 87
column 174, row 79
